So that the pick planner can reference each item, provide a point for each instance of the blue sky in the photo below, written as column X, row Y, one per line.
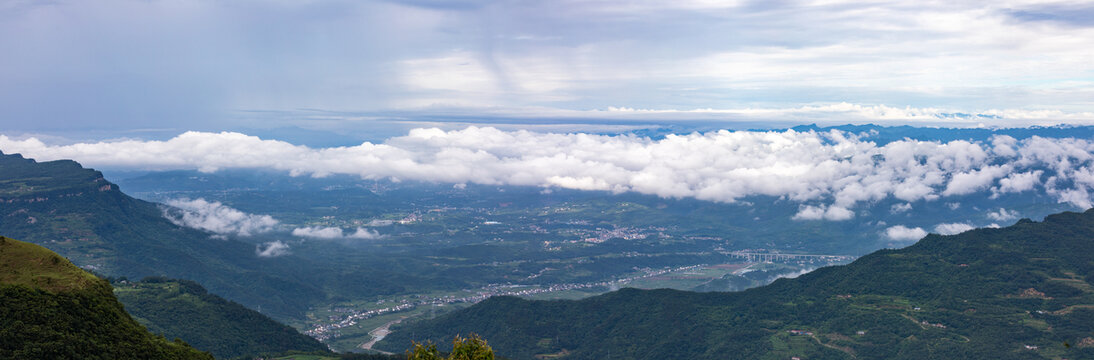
column 156, row 68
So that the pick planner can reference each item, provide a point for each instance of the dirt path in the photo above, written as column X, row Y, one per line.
column 846, row 350
column 1071, row 308
column 379, row 334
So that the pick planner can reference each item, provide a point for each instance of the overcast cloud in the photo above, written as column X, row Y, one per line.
column 828, row 173
column 146, row 66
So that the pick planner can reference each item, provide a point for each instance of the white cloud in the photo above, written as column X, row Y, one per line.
column 318, row 232
column 833, row 213
column 838, row 213
column 903, row 233
column 900, row 208
column 1002, row 215
column 1018, row 182
column 964, row 183
column 216, row 217
column 272, row 249
column 833, row 170
column 952, row 228
column 363, row 233
column 809, row 212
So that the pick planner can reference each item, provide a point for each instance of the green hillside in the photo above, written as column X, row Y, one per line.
column 50, row 309
column 209, row 322
column 36, row 267
column 1022, row 292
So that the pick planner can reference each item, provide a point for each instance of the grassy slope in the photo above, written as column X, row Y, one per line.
column 50, row 309
column 225, row 328
column 36, row 267
column 994, row 291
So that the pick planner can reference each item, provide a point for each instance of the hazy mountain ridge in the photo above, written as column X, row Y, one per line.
column 986, row 293
column 72, row 210
column 50, row 309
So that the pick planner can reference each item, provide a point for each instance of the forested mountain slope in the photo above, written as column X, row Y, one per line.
column 1021, row 292
column 183, row 309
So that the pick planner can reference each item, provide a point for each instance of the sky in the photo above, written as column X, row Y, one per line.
column 153, row 69
column 537, row 93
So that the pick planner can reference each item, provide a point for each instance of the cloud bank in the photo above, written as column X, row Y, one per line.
column 217, row 218
column 829, row 173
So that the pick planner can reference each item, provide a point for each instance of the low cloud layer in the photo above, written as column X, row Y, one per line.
column 217, row 218
column 334, row 233
column 829, row 173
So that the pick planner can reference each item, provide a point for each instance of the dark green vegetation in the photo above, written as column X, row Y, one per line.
column 183, row 309
column 1022, row 292
column 472, row 347
column 344, row 356
column 50, row 309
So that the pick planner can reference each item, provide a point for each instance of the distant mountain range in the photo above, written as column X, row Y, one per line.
column 1021, row 292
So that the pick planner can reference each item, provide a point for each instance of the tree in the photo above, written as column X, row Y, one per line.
column 472, row 347
column 423, row 352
